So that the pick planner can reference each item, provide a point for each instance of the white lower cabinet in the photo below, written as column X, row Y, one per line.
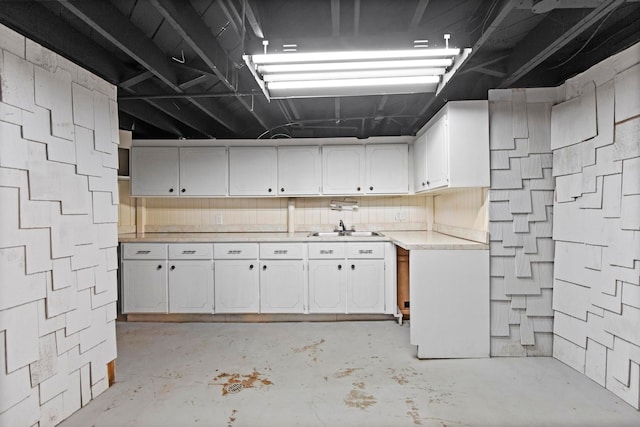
column 237, row 279
column 365, row 286
column 237, row 286
column 190, row 286
column 327, row 286
column 145, row 286
column 282, row 286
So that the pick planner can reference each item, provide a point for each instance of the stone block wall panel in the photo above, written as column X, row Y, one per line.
column 596, row 227
column 58, row 233
column 520, row 217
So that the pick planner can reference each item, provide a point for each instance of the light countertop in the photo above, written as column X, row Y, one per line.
column 410, row 240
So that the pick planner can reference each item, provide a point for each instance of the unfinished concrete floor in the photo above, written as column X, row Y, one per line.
column 331, row 374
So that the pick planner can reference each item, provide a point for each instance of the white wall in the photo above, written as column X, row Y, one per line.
column 595, row 138
column 520, row 215
column 58, row 233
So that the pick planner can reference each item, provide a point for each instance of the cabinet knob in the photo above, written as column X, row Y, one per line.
column 358, row 189
column 171, row 190
column 160, row 267
column 264, row 267
column 339, row 267
column 371, row 188
column 183, row 190
column 173, row 267
column 424, row 183
column 282, row 190
column 353, row 267
column 269, row 190
column 427, row 182
column 251, row 267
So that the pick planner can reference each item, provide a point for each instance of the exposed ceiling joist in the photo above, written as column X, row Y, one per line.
column 149, row 114
column 417, row 15
column 134, row 80
column 252, row 19
column 548, row 41
column 194, row 31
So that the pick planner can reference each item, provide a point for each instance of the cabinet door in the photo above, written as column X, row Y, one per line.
column 154, row 171
column 365, row 286
column 253, row 171
column 420, row 163
column 236, row 286
column 387, row 169
column 282, row 287
column 343, row 169
column 190, row 286
column 327, row 286
column 144, row 286
column 203, row 171
column 299, row 171
column 437, row 154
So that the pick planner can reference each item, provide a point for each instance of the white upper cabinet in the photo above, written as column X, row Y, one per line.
column 203, row 171
column 452, row 149
column 387, row 169
column 299, row 171
column 253, row 171
column 343, row 169
column 154, row 171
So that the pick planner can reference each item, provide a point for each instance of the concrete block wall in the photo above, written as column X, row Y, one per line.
column 595, row 138
column 58, row 233
column 520, row 218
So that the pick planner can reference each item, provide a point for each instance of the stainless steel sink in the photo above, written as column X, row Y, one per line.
column 345, row 234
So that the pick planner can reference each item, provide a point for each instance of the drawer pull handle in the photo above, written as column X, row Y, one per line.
column 326, row 251
column 234, row 252
column 188, row 252
column 143, row 252
column 365, row 251
column 281, row 252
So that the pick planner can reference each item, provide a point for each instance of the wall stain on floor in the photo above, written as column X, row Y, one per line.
column 252, row 380
column 359, row 399
column 311, row 348
column 345, row 372
column 232, row 418
column 413, row 412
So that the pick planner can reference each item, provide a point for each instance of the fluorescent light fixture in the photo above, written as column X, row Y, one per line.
column 295, row 75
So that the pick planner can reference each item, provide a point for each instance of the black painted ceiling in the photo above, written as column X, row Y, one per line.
column 179, row 69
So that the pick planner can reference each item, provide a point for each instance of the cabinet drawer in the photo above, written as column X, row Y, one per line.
column 326, row 251
column 235, row 251
column 365, row 250
column 282, row 250
column 144, row 251
column 191, row 251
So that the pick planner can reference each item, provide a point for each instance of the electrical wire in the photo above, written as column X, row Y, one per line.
column 585, row 43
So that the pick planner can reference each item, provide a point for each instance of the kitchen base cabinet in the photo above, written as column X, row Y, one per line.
column 237, row 287
column 282, row 285
column 365, row 286
column 145, row 286
column 327, row 286
column 190, row 287
column 449, row 293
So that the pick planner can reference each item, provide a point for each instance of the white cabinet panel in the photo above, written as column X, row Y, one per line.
column 343, row 169
column 450, row 304
column 299, row 171
column 235, row 251
column 145, row 286
column 191, row 251
column 190, row 286
column 387, row 169
column 282, row 251
column 365, row 286
column 203, row 171
column 253, row 171
column 419, row 163
column 282, row 285
column 327, row 286
column 154, row 171
column 437, row 154
column 237, row 286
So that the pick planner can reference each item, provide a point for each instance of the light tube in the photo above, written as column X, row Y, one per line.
column 336, row 66
column 279, row 58
column 414, row 80
column 354, row 74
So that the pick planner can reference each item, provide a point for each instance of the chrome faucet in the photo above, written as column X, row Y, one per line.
column 341, row 226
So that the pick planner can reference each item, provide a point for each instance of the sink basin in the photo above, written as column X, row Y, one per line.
column 345, row 234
